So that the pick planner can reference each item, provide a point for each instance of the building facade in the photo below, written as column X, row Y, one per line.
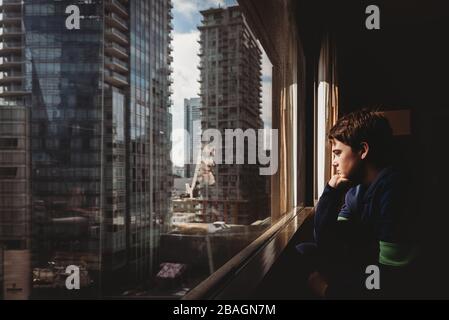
column 192, row 125
column 231, row 95
column 85, row 117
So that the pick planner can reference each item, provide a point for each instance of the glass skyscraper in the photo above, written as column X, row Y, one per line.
column 85, row 123
column 192, row 125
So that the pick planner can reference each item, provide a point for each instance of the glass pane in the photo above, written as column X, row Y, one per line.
column 63, row 74
column 220, row 199
column 110, row 182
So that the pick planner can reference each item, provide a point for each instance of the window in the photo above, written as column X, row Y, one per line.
column 8, row 143
column 6, row 173
column 326, row 111
column 110, row 157
column 226, row 197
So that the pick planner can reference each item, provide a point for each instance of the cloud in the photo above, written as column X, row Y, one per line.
column 267, row 70
column 185, row 84
column 185, row 66
column 266, row 64
column 266, row 103
column 186, row 9
column 187, row 12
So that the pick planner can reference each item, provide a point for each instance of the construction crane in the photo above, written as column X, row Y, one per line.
column 207, row 161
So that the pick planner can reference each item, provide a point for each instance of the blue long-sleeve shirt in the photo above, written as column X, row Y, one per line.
column 367, row 225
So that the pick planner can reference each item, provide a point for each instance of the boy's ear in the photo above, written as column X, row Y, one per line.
column 364, row 149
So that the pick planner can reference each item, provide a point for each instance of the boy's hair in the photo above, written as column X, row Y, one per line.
column 366, row 126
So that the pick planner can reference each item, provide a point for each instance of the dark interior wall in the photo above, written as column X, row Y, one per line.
column 404, row 65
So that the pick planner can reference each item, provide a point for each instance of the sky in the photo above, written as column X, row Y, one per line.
column 186, row 19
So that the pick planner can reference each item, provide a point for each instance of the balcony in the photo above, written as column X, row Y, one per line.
column 10, row 47
column 10, row 32
column 117, row 7
column 11, row 18
column 12, row 90
column 116, row 50
column 11, row 77
column 7, row 63
column 114, row 20
column 114, row 34
column 115, row 78
column 13, row 5
column 116, row 65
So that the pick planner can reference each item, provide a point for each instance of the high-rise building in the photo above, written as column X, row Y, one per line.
column 178, row 171
column 192, row 125
column 231, row 92
column 85, row 122
column 15, row 192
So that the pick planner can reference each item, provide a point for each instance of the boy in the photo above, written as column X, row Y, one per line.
column 373, row 226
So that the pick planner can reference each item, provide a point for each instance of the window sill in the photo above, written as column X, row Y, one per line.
column 245, row 270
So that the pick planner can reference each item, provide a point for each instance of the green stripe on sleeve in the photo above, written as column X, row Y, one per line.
column 342, row 219
column 394, row 254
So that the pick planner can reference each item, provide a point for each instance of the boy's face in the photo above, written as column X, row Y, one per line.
column 345, row 161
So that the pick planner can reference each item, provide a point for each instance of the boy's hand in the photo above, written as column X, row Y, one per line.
column 317, row 284
column 339, row 182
